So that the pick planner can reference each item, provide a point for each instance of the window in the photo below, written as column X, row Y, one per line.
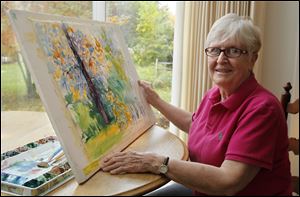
column 148, row 28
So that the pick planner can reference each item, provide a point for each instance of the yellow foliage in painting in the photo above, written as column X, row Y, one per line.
column 57, row 74
column 55, row 26
column 128, row 115
column 112, row 130
column 62, row 60
column 98, row 47
column 92, row 66
column 56, row 43
column 95, row 146
column 122, row 113
column 100, row 50
column 84, row 94
column 100, row 58
column 120, row 110
column 109, row 65
column 110, row 96
column 88, row 45
column 75, row 94
column 70, row 30
column 56, row 54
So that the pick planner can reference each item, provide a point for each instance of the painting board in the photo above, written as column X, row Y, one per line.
column 88, row 84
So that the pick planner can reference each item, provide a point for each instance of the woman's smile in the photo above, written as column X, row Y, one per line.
column 223, row 70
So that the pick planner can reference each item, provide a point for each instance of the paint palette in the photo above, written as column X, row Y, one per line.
column 20, row 174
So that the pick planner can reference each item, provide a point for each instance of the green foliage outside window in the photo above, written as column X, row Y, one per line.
column 148, row 29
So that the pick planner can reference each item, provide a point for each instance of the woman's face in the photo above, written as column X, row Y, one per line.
column 228, row 73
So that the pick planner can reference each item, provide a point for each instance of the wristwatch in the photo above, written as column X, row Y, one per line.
column 163, row 168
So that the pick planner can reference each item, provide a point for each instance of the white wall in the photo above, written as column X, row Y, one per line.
column 281, row 38
column 280, row 62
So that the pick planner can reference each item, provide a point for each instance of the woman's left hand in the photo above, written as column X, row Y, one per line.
column 132, row 162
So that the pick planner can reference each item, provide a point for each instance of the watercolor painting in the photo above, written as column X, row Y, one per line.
column 88, row 84
column 88, row 70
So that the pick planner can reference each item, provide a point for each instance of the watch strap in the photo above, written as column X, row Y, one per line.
column 166, row 161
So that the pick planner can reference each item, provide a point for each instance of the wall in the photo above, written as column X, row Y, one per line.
column 280, row 62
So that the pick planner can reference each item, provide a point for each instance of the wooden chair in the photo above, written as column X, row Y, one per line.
column 293, row 142
column 286, row 97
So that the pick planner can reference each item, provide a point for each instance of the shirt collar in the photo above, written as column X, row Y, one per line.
column 236, row 99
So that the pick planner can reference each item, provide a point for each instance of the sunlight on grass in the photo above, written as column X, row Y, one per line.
column 14, row 93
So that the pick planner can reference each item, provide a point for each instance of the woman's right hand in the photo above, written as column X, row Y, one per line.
column 181, row 118
column 151, row 96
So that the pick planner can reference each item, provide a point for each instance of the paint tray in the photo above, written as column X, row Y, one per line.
column 20, row 174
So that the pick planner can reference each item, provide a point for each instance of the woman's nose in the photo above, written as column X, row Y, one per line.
column 222, row 58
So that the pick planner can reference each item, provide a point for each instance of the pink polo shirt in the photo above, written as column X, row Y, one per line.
column 248, row 127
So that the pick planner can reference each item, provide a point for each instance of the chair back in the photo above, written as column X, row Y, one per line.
column 286, row 98
column 293, row 142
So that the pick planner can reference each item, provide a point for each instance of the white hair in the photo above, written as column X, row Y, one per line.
column 241, row 29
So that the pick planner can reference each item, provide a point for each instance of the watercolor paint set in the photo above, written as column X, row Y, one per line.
column 35, row 168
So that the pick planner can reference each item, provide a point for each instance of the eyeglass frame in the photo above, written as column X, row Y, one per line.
column 225, row 53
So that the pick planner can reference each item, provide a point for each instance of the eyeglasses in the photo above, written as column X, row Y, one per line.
column 229, row 52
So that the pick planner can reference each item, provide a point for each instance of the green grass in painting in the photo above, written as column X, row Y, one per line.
column 103, row 142
column 102, row 148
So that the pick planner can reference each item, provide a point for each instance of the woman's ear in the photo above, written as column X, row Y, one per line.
column 254, row 57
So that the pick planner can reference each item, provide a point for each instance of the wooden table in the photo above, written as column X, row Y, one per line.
column 19, row 128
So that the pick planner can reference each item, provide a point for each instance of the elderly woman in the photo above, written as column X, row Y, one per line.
column 238, row 143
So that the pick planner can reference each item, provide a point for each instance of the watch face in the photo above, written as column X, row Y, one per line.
column 163, row 169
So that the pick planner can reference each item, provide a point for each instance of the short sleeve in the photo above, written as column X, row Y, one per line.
column 254, row 140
